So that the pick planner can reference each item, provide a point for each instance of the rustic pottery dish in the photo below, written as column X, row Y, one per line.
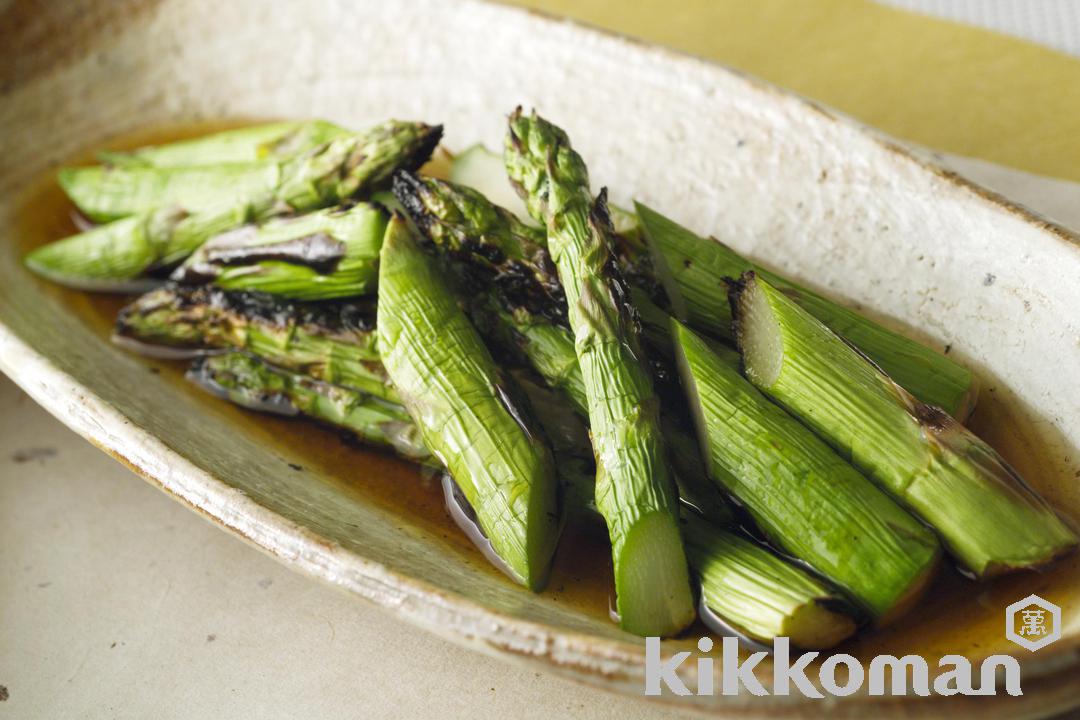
column 829, row 202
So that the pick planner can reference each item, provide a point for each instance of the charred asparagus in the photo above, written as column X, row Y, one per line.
column 697, row 268
column 251, row 383
column 635, row 491
column 333, row 342
column 162, row 215
column 800, row 493
column 452, row 389
column 322, row 255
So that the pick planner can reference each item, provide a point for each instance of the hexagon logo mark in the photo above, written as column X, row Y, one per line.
column 1033, row 623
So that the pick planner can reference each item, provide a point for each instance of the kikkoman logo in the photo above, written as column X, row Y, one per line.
column 887, row 674
column 1032, row 623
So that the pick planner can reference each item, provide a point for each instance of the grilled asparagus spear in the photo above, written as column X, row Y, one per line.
column 322, row 255
column 800, row 493
column 988, row 518
column 696, row 268
column 452, row 389
column 167, row 213
column 635, row 491
column 246, row 144
column 333, row 342
column 247, row 381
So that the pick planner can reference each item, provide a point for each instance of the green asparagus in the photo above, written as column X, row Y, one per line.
column 800, row 493
column 102, row 258
column 247, row 381
column 635, row 491
column 322, row 255
column 987, row 517
column 246, row 144
column 326, row 174
column 453, row 391
column 697, row 268
column 334, row 342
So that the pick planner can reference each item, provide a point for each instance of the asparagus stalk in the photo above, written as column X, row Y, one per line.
column 759, row 594
column 327, row 174
column 569, row 439
column 246, row 144
column 635, row 491
column 695, row 269
column 453, row 391
column 519, row 305
column 249, row 382
column 332, row 342
column 322, row 255
column 800, row 493
column 989, row 519
column 172, row 211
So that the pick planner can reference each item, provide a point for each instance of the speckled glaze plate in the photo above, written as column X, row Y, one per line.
column 817, row 196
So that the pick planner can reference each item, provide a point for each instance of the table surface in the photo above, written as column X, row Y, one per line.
column 117, row 602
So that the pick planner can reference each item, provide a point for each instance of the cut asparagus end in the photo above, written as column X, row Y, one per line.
column 761, row 595
column 758, row 334
column 988, row 518
column 464, row 411
column 909, row 599
column 816, row 626
column 653, row 593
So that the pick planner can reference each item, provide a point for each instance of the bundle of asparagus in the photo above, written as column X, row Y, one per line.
column 157, row 215
column 578, row 419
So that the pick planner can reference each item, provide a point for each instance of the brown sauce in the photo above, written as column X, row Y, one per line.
column 957, row 615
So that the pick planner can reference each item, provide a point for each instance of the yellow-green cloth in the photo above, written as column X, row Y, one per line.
column 941, row 84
